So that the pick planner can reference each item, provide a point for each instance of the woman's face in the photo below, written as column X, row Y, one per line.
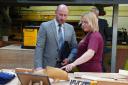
column 85, row 25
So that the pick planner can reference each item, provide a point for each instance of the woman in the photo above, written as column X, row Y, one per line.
column 90, row 48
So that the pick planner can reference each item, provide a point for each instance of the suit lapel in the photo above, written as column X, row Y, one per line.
column 54, row 31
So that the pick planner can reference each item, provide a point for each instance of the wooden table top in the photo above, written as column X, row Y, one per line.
column 108, row 78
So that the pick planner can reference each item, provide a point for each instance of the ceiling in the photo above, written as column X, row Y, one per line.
column 68, row 2
column 56, row 2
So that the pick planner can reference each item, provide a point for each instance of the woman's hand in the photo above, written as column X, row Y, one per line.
column 68, row 67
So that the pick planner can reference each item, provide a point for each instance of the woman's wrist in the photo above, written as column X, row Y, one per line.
column 73, row 64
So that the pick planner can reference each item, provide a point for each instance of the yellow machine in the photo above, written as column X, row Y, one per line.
column 30, row 36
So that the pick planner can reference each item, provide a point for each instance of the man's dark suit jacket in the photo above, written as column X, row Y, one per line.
column 103, row 26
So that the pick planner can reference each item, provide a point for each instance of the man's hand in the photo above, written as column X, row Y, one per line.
column 65, row 62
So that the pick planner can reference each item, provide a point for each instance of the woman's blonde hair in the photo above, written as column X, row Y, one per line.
column 92, row 20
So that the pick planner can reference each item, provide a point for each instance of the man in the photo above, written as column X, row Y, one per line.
column 49, row 43
column 103, row 26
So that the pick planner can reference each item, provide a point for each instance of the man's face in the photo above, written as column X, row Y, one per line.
column 61, row 15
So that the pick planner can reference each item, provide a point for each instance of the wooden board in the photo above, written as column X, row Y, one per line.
column 25, row 78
